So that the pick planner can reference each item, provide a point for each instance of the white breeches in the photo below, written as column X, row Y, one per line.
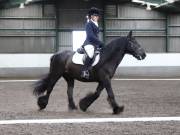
column 89, row 50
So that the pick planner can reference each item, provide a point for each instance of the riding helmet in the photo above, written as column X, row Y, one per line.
column 93, row 11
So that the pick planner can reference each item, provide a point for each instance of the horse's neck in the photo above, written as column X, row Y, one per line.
column 111, row 57
column 116, row 59
column 113, row 63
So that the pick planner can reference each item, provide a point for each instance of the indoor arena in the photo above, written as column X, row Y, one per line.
column 131, row 87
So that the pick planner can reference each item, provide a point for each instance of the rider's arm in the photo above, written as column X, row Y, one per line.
column 92, row 37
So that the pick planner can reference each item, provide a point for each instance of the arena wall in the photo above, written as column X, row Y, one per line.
column 37, row 65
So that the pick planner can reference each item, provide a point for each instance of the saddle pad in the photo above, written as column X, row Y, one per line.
column 78, row 59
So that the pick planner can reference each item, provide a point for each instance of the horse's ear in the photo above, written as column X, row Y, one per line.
column 129, row 34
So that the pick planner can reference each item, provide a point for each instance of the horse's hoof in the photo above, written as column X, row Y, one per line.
column 42, row 103
column 118, row 109
column 72, row 107
column 82, row 106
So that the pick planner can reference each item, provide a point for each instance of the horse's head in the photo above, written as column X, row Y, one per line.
column 134, row 48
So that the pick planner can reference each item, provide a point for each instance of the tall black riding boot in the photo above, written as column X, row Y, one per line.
column 85, row 68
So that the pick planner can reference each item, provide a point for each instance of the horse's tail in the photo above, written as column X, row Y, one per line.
column 41, row 86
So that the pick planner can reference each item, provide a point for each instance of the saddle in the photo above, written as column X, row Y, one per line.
column 80, row 56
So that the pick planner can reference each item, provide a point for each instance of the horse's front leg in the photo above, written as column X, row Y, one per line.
column 111, row 99
column 70, row 87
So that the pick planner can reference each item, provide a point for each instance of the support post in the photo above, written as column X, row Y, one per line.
column 167, row 33
column 104, row 22
column 57, row 27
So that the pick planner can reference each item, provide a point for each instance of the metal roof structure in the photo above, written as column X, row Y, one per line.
column 16, row 3
column 169, row 6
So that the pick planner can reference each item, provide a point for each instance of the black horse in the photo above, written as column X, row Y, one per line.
column 61, row 66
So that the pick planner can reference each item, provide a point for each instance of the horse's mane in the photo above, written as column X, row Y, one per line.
column 112, row 48
column 116, row 44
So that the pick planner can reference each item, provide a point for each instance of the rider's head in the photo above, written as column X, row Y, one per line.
column 94, row 14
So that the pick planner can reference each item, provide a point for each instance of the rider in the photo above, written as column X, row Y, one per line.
column 92, row 41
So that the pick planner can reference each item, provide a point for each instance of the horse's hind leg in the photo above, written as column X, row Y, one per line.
column 70, row 83
column 45, row 86
column 90, row 98
column 43, row 100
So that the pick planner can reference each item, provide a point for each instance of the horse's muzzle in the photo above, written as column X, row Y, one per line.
column 141, row 54
column 141, row 57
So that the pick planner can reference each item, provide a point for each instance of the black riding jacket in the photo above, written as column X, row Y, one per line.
column 92, row 37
